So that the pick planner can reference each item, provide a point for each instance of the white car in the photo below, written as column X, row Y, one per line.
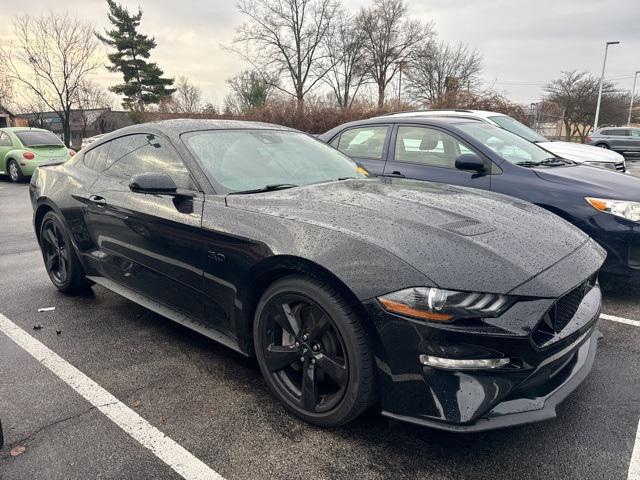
column 578, row 152
column 90, row 140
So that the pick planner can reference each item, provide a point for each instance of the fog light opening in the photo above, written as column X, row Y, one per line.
column 463, row 364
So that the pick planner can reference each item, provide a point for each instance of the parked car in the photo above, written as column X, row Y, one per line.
column 462, row 151
column 22, row 149
column 577, row 152
column 618, row 139
column 89, row 140
column 459, row 309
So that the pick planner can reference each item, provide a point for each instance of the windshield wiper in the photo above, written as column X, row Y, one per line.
column 555, row 161
column 547, row 162
column 528, row 164
column 266, row 188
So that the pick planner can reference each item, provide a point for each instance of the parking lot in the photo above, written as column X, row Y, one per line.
column 213, row 402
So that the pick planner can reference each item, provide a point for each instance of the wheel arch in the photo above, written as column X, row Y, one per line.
column 275, row 268
column 44, row 206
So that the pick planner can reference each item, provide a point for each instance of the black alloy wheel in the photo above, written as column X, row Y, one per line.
column 60, row 260
column 313, row 352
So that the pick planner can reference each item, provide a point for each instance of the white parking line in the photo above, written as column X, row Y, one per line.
column 163, row 447
column 634, row 464
column 626, row 321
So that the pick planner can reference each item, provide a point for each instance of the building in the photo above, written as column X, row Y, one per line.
column 84, row 123
column 8, row 119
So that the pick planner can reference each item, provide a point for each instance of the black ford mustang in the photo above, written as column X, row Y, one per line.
column 458, row 309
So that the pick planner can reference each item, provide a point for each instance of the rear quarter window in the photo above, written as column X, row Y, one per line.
column 96, row 158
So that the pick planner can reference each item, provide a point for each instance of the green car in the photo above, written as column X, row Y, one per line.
column 22, row 149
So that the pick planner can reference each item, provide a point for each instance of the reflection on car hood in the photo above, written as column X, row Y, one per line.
column 579, row 152
column 461, row 238
column 594, row 182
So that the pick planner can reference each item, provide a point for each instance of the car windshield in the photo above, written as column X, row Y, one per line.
column 257, row 160
column 514, row 126
column 509, row 146
column 38, row 138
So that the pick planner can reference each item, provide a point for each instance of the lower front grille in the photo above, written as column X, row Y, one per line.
column 561, row 313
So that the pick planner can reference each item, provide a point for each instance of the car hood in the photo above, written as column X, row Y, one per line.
column 594, row 182
column 579, row 152
column 458, row 237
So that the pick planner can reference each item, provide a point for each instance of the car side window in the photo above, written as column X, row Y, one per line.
column 428, row 146
column 141, row 153
column 364, row 142
column 96, row 158
column 619, row 133
column 5, row 140
column 635, row 133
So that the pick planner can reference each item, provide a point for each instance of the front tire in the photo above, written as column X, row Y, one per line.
column 60, row 259
column 314, row 352
column 15, row 174
column 603, row 145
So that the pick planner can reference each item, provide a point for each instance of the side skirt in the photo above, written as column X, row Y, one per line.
column 168, row 312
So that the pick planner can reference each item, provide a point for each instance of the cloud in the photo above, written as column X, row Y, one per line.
column 524, row 43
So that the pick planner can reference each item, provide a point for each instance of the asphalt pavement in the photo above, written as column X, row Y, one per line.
column 214, row 403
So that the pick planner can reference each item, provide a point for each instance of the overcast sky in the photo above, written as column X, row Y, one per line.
column 524, row 43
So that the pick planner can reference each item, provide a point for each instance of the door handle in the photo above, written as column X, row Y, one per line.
column 396, row 174
column 97, row 200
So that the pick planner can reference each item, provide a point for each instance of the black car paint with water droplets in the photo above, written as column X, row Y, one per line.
column 204, row 259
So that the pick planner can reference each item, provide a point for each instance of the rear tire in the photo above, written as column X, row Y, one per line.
column 602, row 145
column 313, row 351
column 60, row 259
column 14, row 172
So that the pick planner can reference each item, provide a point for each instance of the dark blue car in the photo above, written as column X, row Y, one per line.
column 605, row 205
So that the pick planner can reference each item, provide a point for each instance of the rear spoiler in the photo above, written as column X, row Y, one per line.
column 52, row 164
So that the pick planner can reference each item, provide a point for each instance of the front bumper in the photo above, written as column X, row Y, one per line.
column 620, row 238
column 475, row 400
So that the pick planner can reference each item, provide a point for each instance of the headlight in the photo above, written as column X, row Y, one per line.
column 619, row 208
column 435, row 304
column 605, row 165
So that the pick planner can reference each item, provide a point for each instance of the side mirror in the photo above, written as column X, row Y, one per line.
column 470, row 161
column 153, row 183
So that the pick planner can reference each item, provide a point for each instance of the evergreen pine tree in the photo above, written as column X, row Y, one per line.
column 143, row 81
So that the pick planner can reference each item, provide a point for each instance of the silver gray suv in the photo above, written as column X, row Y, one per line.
column 620, row 139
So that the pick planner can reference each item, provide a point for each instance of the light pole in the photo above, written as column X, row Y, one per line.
column 604, row 64
column 633, row 91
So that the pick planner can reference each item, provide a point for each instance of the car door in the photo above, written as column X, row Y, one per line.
column 366, row 145
column 151, row 244
column 619, row 139
column 634, row 143
column 5, row 145
column 428, row 153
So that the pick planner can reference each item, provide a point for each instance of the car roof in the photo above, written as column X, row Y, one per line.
column 426, row 120
column 176, row 127
column 447, row 112
column 24, row 129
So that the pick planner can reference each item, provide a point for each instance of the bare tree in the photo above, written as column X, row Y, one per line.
column 440, row 70
column 347, row 66
column 285, row 37
column 251, row 89
column 7, row 92
column 576, row 95
column 391, row 39
column 90, row 99
column 51, row 57
column 188, row 97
